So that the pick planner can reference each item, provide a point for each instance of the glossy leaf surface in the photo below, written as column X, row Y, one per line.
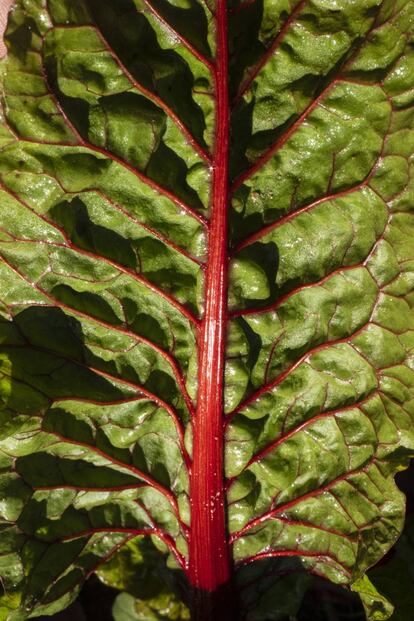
column 191, row 192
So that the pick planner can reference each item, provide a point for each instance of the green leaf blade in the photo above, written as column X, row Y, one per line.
column 113, row 177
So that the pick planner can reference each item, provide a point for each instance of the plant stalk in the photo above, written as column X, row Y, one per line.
column 209, row 557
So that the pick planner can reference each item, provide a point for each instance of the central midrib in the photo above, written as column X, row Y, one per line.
column 209, row 558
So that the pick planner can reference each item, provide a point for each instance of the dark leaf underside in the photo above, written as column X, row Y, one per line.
column 115, row 331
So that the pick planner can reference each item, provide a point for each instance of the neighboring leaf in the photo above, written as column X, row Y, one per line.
column 127, row 608
column 376, row 606
column 124, row 609
column 394, row 578
column 152, row 590
column 207, row 325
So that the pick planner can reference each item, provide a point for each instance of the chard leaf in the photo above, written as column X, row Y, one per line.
column 206, row 297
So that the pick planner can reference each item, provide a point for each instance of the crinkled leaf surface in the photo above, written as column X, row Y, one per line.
column 113, row 257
